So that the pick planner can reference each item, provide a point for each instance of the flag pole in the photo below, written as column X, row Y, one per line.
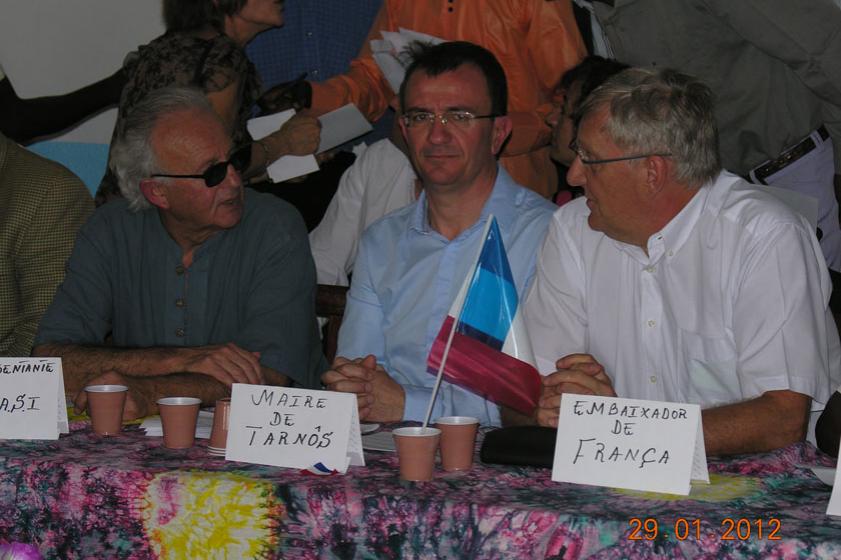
column 437, row 385
column 440, row 373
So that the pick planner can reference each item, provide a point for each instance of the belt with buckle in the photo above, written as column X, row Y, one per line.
column 788, row 157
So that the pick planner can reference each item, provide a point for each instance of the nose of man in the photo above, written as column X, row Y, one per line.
column 575, row 175
column 232, row 178
column 439, row 133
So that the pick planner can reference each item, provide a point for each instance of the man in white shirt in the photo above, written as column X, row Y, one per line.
column 674, row 280
column 379, row 181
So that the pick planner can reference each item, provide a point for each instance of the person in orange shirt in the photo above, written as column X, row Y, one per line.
column 536, row 41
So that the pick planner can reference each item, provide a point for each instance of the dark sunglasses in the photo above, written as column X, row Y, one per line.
column 217, row 172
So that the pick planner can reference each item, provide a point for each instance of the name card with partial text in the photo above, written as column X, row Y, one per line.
column 629, row 443
column 834, row 507
column 32, row 403
column 295, row 428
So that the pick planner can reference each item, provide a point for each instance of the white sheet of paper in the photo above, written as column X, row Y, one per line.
column 824, row 474
column 295, row 428
column 628, row 443
column 32, row 403
column 390, row 53
column 63, row 422
column 286, row 167
column 337, row 127
column 381, row 441
column 341, row 125
column 834, row 507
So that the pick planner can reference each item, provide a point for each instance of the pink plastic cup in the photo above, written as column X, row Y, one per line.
column 219, row 433
column 178, row 418
column 458, row 439
column 416, row 447
column 105, row 406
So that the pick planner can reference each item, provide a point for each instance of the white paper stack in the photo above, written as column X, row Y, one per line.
column 337, row 127
column 204, row 424
column 391, row 55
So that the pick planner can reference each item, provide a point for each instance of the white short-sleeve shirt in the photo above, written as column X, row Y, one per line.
column 730, row 302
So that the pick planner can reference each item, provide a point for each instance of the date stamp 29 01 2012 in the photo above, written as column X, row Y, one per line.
column 730, row 529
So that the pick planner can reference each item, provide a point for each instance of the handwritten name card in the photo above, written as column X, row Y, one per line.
column 834, row 507
column 32, row 404
column 627, row 443
column 295, row 428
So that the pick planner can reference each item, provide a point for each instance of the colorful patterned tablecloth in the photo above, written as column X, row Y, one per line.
column 128, row 497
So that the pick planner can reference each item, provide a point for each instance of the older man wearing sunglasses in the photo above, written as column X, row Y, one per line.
column 196, row 282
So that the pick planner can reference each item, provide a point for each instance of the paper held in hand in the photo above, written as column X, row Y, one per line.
column 391, row 55
column 628, row 443
column 337, row 127
column 295, row 428
column 32, row 403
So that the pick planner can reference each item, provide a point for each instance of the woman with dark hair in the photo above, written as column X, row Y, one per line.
column 204, row 47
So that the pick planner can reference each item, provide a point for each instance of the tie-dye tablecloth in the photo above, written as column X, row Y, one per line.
column 128, row 497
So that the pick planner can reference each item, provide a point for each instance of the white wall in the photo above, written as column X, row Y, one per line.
column 53, row 46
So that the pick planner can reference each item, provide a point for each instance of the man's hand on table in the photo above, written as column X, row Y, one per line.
column 379, row 397
column 576, row 373
column 137, row 404
column 227, row 363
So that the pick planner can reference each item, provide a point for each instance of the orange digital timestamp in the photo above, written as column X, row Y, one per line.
column 730, row 529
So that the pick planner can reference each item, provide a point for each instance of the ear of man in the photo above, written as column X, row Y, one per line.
column 501, row 130
column 657, row 174
column 155, row 193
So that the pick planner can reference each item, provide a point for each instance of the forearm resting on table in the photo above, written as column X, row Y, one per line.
column 82, row 363
column 774, row 420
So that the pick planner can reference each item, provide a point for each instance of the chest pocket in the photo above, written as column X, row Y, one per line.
column 710, row 364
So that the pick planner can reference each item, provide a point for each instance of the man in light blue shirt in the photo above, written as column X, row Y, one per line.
column 412, row 262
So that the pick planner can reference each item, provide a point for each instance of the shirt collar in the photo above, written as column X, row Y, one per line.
column 207, row 248
column 504, row 202
column 674, row 235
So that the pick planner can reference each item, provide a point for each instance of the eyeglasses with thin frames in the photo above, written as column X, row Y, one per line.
column 460, row 118
column 576, row 149
column 217, row 172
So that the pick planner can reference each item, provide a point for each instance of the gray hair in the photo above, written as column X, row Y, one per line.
column 661, row 111
column 132, row 157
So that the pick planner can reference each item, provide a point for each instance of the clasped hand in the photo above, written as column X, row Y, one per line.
column 226, row 363
column 378, row 396
column 577, row 374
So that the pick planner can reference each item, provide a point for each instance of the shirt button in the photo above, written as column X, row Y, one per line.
column 309, row 33
column 179, row 333
column 180, row 302
column 314, row 72
column 652, row 322
column 653, row 379
column 179, row 270
column 649, row 269
column 671, row 253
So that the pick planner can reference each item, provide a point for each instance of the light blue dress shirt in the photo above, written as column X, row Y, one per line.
column 406, row 277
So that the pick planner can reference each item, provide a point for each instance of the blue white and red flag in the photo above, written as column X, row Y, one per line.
column 483, row 342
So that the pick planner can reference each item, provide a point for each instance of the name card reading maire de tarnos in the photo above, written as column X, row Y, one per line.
column 627, row 443
column 32, row 402
column 295, row 428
